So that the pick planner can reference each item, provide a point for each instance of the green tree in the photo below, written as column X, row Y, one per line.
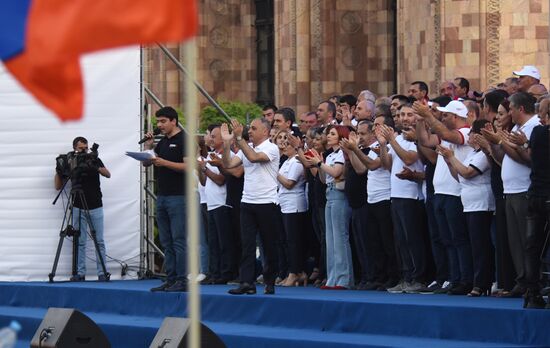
column 238, row 110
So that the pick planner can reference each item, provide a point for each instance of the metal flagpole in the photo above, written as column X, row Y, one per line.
column 191, row 116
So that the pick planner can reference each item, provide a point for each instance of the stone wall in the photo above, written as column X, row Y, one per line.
column 326, row 47
column 482, row 40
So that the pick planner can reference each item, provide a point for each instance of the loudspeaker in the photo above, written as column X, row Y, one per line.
column 173, row 334
column 68, row 328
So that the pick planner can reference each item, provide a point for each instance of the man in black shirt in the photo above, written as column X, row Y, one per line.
column 88, row 181
column 538, row 209
column 170, row 170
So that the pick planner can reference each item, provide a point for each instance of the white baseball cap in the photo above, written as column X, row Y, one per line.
column 528, row 70
column 455, row 107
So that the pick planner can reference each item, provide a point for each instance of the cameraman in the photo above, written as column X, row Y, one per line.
column 88, row 178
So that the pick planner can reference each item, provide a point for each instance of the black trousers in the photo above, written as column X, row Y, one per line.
column 262, row 219
column 410, row 242
column 362, row 243
column 221, row 244
column 483, row 253
column 538, row 215
column 293, row 224
column 505, row 271
column 319, row 226
column 380, row 235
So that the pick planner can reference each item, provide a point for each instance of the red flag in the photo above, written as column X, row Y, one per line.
column 59, row 31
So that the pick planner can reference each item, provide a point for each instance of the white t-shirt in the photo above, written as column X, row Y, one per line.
column 215, row 194
column 335, row 157
column 476, row 193
column 404, row 188
column 293, row 200
column 260, row 179
column 444, row 182
column 515, row 176
column 378, row 181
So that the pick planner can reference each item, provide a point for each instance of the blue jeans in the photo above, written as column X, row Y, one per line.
column 337, row 219
column 79, row 222
column 171, row 211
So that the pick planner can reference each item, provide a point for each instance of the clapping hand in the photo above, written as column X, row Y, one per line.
column 237, row 127
column 444, row 151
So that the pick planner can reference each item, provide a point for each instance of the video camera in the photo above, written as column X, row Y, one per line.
column 75, row 164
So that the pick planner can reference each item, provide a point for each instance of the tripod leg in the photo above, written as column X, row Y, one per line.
column 67, row 217
column 62, row 236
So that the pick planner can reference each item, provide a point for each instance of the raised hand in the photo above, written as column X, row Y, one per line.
column 422, row 109
column 226, row 135
column 294, row 141
column 237, row 127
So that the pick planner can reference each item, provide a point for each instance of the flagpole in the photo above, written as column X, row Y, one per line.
column 191, row 116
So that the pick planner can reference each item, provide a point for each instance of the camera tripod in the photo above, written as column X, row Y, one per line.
column 68, row 230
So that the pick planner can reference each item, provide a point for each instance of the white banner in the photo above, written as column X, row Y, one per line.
column 31, row 137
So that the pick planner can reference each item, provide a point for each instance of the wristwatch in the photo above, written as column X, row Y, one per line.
column 239, row 138
column 526, row 145
column 319, row 164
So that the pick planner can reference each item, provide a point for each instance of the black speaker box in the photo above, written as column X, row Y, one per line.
column 68, row 328
column 173, row 334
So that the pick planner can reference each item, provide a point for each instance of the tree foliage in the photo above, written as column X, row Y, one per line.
column 244, row 112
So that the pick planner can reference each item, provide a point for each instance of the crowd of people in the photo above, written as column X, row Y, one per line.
column 408, row 193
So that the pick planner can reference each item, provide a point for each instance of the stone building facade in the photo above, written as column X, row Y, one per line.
column 299, row 52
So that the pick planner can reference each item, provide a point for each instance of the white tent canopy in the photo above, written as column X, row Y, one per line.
column 31, row 137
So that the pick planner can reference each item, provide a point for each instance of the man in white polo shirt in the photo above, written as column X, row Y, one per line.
column 528, row 76
column 451, row 132
column 259, row 209
column 516, row 180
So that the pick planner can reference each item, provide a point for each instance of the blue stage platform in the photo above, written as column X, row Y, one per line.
column 130, row 315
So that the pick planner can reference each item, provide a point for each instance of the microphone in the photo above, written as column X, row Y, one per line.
column 156, row 131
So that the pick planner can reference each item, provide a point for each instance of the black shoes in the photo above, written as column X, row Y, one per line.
column 163, row 286
column 269, row 289
column 533, row 300
column 77, row 278
column 103, row 277
column 460, row 289
column 178, row 286
column 245, row 288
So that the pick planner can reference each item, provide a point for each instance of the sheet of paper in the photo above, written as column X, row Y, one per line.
column 141, row 156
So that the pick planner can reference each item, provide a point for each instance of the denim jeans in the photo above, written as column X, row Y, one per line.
column 79, row 222
column 171, row 219
column 337, row 219
column 204, row 256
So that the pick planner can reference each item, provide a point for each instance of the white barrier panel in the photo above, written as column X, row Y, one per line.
column 31, row 137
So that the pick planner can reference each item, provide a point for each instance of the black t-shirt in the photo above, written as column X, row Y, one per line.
column 540, row 161
column 356, row 186
column 90, row 184
column 170, row 182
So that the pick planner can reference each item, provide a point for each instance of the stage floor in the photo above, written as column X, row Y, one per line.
column 130, row 315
